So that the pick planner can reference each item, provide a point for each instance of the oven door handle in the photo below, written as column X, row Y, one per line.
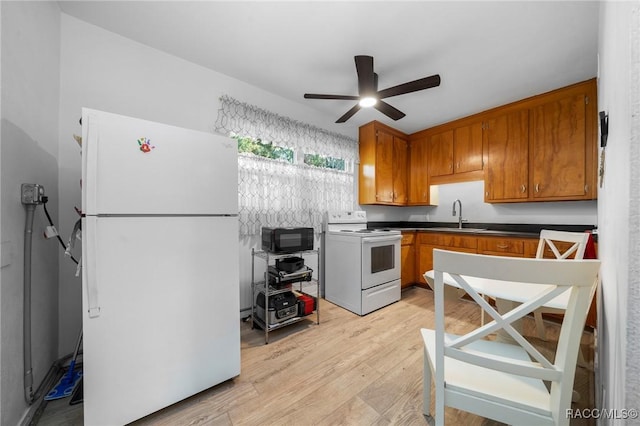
column 382, row 239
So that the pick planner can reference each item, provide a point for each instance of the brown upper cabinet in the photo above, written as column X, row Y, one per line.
column 455, row 153
column 467, row 148
column 419, row 185
column 506, row 175
column 542, row 148
column 440, row 154
column 383, row 165
column 562, row 157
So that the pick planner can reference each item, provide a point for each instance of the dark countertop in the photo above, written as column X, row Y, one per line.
column 489, row 229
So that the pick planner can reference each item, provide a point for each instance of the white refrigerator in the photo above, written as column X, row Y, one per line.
column 160, row 267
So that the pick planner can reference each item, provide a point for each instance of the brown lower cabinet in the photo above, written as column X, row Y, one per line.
column 428, row 241
column 417, row 254
column 408, row 259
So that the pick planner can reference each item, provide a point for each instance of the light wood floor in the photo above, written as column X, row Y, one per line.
column 349, row 370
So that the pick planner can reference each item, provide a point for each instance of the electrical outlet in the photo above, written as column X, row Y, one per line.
column 32, row 193
column 50, row 232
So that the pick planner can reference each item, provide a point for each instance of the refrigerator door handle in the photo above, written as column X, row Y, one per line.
column 90, row 268
column 91, row 164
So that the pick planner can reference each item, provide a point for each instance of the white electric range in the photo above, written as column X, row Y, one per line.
column 362, row 266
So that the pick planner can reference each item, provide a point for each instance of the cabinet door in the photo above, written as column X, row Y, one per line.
column 408, row 258
column 559, row 148
column 384, row 167
column 424, row 260
column 507, row 168
column 408, row 261
column 400, row 162
column 366, row 170
column 425, row 257
column 441, row 154
column 418, row 178
column 467, row 148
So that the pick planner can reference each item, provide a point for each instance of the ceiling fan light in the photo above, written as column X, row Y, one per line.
column 368, row 102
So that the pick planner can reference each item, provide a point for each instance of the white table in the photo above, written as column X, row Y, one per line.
column 506, row 294
column 510, row 291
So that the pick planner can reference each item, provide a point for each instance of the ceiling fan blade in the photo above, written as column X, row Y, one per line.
column 412, row 86
column 349, row 114
column 366, row 76
column 340, row 97
column 388, row 110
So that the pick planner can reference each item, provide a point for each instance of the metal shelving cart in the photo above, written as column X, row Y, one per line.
column 259, row 285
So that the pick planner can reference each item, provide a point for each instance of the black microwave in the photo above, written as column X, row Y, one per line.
column 287, row 240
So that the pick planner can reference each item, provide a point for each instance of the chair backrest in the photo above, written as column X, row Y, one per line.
column 554, row 277
column 549, row 239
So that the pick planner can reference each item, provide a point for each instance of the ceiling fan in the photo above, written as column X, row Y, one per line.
column 369, row 95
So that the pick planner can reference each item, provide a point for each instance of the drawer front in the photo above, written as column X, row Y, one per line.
column 408, row 238
column 530, row 248
column 447, row 240
column 508, row 246
column 380, row 296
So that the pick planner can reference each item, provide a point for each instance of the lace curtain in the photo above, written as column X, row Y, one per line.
column 278, row 193
column 247, row 120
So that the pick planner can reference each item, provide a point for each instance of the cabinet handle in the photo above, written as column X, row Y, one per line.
column 450, row 166
column 503, row 246
column 537, row 187
column 458, row 165
column 586, row 188
column 486, row 193
column 523, row 188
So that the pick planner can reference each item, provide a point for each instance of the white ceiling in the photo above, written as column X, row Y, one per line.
column 487, row 53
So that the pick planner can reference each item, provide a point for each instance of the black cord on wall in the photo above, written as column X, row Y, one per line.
column 44, row 204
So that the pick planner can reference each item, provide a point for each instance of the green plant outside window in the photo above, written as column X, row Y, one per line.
column 269, row 150
column 324, row 162
column 264, row 149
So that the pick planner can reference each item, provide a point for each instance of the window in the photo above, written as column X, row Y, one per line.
column 324, row 162
column 273, row 151
column 263, row 149
column 289, row 173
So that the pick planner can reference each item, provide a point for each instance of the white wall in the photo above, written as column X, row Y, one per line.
column 104, row 71
column 618, row 383
column 30, row 94
column 474, row 209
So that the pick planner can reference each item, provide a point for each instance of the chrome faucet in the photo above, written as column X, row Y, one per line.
column 454, row 212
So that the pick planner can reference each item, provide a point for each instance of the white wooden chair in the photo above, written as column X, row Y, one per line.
column 503, row 381
column 550, row 239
